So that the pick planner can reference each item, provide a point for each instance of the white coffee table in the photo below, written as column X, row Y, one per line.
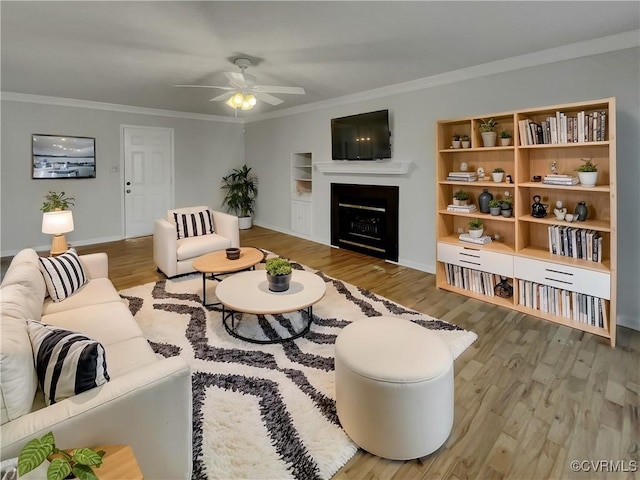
column 248, row 292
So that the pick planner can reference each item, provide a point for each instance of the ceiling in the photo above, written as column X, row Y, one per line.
column 132, row 53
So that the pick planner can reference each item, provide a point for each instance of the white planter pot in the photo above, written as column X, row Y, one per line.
column 498, row 177
column 460, row 203
column 588, row 179
column 455, row 143
column 505, row 142
column 466, row 144
column 489, row 139
column 476, row 233
column 244, row 223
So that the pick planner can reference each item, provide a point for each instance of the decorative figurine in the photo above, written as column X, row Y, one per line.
column 554, row 167
column 480, row 173
column 503, row 289
column 560, row 211
column 538, row 210
column 509, row 179
column 581, row 212
column 464, row 167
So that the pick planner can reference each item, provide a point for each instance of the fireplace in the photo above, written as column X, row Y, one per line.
column 364, row 218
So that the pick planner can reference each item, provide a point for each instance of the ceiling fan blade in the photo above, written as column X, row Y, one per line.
column 205, row 86
column 278, row 89
column 270, row 99
column 222, row 97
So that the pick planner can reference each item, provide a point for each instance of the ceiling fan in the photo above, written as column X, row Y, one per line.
column 242, row 91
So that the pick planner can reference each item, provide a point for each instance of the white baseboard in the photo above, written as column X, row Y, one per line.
column 74, row 243
column 629, row 322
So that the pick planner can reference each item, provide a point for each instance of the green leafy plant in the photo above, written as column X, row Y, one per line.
column 241, row 188
column 495, row 203
column 476, row 224
column 488, row 125
column 498, row 170
column 461, row 195
column 587, row 166
column 56, row 201
column 464, row 138
column 278, row 266
column 505, row 134
column 79, row 462
column 455, row 137
column 506, row 203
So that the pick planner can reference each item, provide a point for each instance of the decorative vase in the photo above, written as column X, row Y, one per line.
column 476, row 233
column 495, row 211
column 588, row 179
column 497, row 176
column 279, row 283
column 581, row 211
column 489, row 139
column 483, row 200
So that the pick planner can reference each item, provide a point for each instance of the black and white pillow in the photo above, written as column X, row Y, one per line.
column 193, row 224
column 63, row 274
column 67, row 363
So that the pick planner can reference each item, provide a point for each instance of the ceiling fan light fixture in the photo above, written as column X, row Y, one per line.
column 249, row 102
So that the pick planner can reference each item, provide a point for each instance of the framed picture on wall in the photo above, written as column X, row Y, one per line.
column 62, row 156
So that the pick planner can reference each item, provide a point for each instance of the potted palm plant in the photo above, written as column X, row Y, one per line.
column 241, row 188
column 489, row 137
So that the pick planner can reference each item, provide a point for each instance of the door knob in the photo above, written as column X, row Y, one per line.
column 128, row 183
column 128, row 190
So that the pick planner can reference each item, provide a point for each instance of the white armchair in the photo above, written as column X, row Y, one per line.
column 175, row 256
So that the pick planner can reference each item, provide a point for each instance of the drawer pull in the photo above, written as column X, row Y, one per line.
column 470, row 263
column 472, row 249
column 559, row 271
column 469, row 255
column 559, row 281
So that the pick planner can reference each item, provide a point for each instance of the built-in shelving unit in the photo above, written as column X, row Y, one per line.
column 302, row 193
column 572, row 291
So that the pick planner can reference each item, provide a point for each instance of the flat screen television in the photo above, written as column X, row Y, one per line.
column 365, row 136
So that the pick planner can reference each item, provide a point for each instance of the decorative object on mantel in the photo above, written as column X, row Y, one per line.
column 233, row 379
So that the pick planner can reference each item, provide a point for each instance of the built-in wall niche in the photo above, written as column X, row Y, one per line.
column 301, row 175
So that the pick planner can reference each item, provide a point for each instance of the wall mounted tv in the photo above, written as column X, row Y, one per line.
column 361, row 137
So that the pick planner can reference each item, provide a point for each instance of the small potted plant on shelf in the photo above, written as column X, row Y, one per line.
column 278, row 273
column 494, row 207
column 466, row 141
column 497, row 174
column 587, row 173
column 489, row 137
column 461, row 198
column 78, row 462
column 506, row 207
column 505, row 138
column 54, row 201
column 455, row 141
column 476, row 228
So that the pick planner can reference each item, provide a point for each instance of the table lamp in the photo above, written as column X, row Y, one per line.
column 58, row 223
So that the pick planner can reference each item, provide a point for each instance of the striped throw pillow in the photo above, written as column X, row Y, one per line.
column 193, row 224
column 67, row 363
column 63, row 274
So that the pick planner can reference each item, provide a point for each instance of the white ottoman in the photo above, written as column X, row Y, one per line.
column 394, row 387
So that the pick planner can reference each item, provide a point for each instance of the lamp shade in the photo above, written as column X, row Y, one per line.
column 57, row 222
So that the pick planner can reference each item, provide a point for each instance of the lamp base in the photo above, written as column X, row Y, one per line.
column 59, row 245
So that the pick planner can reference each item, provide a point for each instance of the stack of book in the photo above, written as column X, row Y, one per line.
column 462, row 208
column 483, row 240
column 558, row 179
column 462, row 176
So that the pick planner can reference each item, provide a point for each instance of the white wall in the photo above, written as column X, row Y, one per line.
column 204, row 152
column 269, row 144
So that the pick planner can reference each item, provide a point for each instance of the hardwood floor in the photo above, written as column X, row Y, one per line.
column 530, row 396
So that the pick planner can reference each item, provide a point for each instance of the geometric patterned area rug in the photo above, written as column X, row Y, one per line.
column 264, row 411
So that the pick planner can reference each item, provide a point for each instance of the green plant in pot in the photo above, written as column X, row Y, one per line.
column 241, row 190
column 489, row 136
column 506, row 207
column 497, row 174
column 54, row 201
column 587, row 173
column 494, row 207
column 278, row 273
column 505, row 138
column 461, row 197
column 455, row 140
column 466, row 141
column 78, row 462
column 476, row 228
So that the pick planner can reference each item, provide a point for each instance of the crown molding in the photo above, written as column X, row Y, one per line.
column 113, row 107
column 611, row 43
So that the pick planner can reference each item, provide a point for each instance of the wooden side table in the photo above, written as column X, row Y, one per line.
column 118, row 463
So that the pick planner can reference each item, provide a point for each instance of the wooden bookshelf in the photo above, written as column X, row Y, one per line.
column 583, row 130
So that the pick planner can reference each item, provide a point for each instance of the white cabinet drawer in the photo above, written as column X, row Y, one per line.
column 476, row 258
column 566, row 277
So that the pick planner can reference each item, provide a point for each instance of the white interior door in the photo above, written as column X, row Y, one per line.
column 148, row 177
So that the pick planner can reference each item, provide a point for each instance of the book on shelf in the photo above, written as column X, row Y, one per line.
column 463, row 174
column 457, row 178
column 483, row 240
column 564, row 128
column 461, row 208
column 558, row 179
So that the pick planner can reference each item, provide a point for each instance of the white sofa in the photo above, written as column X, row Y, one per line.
column 175, row 256
column 147, row 402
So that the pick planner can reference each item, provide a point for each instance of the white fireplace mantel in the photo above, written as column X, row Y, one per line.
column 378, row 167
